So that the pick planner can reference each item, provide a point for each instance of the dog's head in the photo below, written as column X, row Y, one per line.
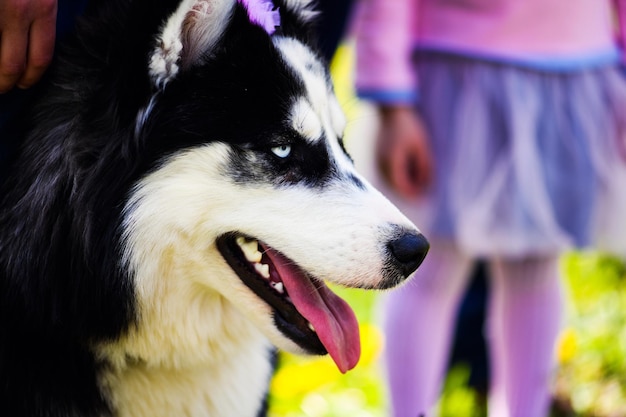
column 262, row 205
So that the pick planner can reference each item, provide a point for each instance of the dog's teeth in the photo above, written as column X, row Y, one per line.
column 250, row 249
column 263, row 270
column 279, row 287
column 311, row 327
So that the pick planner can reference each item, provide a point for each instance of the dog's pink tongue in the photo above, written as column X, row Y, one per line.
column 333, row 319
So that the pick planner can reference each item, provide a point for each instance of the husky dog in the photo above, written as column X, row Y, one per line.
column 179, row 201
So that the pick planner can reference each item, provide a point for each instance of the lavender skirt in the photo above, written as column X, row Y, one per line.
column 527, row 162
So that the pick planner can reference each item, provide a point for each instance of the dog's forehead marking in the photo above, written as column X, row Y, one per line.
column 306, row 65
column 305, row 121
column 319, row 109
column 337, row 116
column 304, row 8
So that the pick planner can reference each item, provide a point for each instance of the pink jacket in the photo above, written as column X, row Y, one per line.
column 547, row 34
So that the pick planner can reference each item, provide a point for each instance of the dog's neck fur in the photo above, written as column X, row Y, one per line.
column 140, row 391
column 191, row 349
column 230, row 379
column 235, row 391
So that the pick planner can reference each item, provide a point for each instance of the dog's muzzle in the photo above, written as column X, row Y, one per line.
column 406, row 250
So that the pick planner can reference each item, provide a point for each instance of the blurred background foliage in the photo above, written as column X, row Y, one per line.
column 590, row 380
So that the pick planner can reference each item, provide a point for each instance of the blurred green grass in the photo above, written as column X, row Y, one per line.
column 591, row 379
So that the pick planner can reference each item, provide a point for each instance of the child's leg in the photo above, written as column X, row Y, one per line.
column 524, row 319
column 419, row 323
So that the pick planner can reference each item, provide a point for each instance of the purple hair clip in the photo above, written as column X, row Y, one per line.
column 262, row 13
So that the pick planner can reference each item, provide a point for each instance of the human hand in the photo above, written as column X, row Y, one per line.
column 27, row 34
column 402, row 151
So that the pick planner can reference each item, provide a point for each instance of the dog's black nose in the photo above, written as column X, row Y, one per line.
column 409, row 250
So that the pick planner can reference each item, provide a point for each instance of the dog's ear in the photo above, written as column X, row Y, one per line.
column 193, row 29
column 298, row 18
column 197, row 26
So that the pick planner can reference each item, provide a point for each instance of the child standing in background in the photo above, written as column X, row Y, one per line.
column 512, row 150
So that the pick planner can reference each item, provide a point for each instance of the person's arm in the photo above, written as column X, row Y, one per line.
column 402, row 150
column 27, row 35
column 385, row 75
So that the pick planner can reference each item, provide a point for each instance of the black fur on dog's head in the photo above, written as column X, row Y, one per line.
column 168, row 136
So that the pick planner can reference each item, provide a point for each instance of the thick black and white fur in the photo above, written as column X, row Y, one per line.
column 173, row 142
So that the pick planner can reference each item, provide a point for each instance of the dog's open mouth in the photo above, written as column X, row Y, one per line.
column 306, row 310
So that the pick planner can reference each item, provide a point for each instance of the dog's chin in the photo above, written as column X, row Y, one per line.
column 249, row 259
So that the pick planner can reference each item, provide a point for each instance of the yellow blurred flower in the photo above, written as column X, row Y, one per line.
column 371, row 344
column 566, row 346
column 299, row 375
column 295, row 378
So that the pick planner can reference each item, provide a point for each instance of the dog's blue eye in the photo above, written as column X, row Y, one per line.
column 282, row 151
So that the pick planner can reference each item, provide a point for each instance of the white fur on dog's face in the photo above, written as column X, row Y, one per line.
column 335, row 233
